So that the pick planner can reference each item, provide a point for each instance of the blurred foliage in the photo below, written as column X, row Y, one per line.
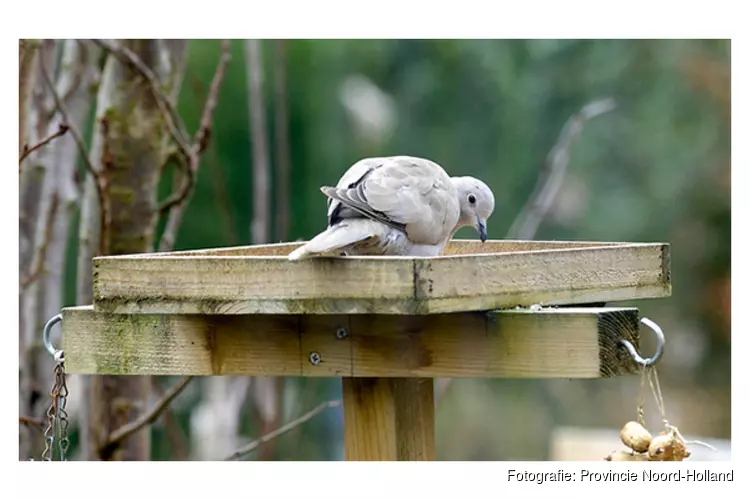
column 655, row 169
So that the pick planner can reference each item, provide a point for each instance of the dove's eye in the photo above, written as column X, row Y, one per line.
column 472, row 199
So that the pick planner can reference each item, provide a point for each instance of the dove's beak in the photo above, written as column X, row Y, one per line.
column 482, row 228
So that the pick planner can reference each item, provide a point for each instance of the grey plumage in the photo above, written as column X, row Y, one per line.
column 398, row 205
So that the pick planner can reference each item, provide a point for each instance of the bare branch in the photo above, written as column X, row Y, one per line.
column 550, row 179
column 127, row 430
column 190, row 168
column 175, row 435
column 41, row 257
column 74, row 132
column 283, row 429
column 31, row 422
column 203, row 134
column 176, row 204
column 62, row 130
column 204, row 130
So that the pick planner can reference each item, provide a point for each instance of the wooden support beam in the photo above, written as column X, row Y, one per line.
column 551, row 343
column 389, row 418
column 257, row 280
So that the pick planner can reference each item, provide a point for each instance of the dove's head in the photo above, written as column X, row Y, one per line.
column 477, row 203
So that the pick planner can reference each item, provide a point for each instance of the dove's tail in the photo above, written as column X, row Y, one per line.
column 332, row 239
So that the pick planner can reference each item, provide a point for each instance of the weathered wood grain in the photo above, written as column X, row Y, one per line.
column 552, row 277
column 259, row 279
column 551, row 343
column 389, row 419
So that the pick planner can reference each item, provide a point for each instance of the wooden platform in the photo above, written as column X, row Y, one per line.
column 387, row 326
column 472, row 276
column 551, row 343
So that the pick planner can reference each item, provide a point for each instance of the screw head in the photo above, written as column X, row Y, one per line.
column 315, row 358
column 341, row 333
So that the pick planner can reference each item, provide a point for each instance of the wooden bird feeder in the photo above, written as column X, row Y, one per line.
column 387, row 326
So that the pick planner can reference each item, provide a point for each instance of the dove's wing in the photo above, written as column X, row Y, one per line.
column 351, row 178
column 411, row 194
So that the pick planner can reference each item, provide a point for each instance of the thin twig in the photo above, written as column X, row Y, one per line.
column 119, row 435
column 283, row 429
column 62, row 130
column 203, row 135
column 41, row 257
column 175, row 434
column 175, row 205
column 66, row 119
column 550, row 179
column 31, row 422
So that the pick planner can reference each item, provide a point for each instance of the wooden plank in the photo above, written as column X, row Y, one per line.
column 551, row 343
column 505, row 276
column 389, row 419
column 569, row 276
column 250, row 285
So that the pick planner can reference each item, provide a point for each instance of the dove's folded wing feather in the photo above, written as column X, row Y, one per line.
column 353, row 176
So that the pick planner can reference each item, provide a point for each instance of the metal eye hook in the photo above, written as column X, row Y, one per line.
column 659, row 346
column 57, row 354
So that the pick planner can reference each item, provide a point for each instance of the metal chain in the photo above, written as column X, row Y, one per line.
column 57, row 416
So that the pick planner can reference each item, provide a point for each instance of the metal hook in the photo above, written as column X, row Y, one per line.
column 57, row 354
column 659, row 346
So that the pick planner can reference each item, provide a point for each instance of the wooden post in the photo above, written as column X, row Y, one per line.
column 389, row 418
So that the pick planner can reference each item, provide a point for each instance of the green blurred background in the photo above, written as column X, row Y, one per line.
column 657, row 168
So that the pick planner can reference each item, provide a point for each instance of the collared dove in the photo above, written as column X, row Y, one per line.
column 398, row 205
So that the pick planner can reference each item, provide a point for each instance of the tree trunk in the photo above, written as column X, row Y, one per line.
column 267, row 391
column 31, row 179
column 78, row 73
column 261, row 169
column 128, row 151
column 38, row 204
